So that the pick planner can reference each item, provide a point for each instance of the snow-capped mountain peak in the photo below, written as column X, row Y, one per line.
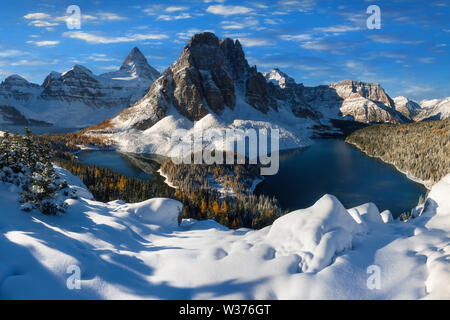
column 279, row 78
column 434, row 109
column 137, row 65
column 408, row 107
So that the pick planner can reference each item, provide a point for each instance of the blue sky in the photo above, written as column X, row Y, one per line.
column 314, row 41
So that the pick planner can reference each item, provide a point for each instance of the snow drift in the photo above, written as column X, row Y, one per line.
column 316, row 234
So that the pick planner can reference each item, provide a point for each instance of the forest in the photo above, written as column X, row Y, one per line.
column 421, row 148
column 108, row 185
column 221, row 193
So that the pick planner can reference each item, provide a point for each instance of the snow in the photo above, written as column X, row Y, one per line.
column 386, row 215
column 316, row 234
column 294, row 132
column 138, row 251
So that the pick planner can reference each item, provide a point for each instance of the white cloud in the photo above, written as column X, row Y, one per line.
column 337, row 29
column 100, row 57
column 37, row 16
column 10, row 53
column 109, row 16
column 42, row 23
column 188, row 34
column 166, row 17
column 240, row 24
column 26, row 62
column 298, row 37
column 297, row 5
column 228, row 10
column 98, row 39
column 427, row 60
column 255, row 42
column 325, row 45
column 44, row 43
column 271, row 21
column 44, row 20
column 175, row 9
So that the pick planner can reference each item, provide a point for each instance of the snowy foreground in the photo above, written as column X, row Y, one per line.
column 139, row 251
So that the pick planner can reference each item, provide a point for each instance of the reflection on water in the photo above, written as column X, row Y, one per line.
column 334, row 167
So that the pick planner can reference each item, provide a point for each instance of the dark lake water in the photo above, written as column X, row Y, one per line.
column 335, row 167
column 114, row 161
column 329, row 166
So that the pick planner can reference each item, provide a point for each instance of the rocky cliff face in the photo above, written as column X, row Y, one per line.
column 353, row 100
column 78, row 97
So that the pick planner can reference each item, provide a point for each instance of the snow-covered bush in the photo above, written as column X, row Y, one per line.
column 27, row 164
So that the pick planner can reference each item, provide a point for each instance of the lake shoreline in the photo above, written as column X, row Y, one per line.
column 411, row 177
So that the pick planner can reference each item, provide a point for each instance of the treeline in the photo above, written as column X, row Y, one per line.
column 199, row 190
column 421, row 148
column 108, row 185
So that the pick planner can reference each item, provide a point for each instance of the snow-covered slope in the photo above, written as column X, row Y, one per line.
column 79, row 98
column 139, row 251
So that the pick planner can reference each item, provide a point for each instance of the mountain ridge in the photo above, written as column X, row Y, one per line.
column 212, row 86
column 78, row 97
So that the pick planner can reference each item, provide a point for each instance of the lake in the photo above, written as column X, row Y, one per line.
column 329, row 166
column 335, row 167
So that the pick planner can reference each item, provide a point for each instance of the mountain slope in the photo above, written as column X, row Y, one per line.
column 79, row 98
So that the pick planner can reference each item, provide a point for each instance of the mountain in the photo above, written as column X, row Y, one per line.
column 436, row 109
column 211, row 75
column 78, row 97
column 352, row 100
column 409, row 108
column 211, row 85
column 134, row 66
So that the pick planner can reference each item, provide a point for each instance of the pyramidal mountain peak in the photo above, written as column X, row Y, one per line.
column 136, row 64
